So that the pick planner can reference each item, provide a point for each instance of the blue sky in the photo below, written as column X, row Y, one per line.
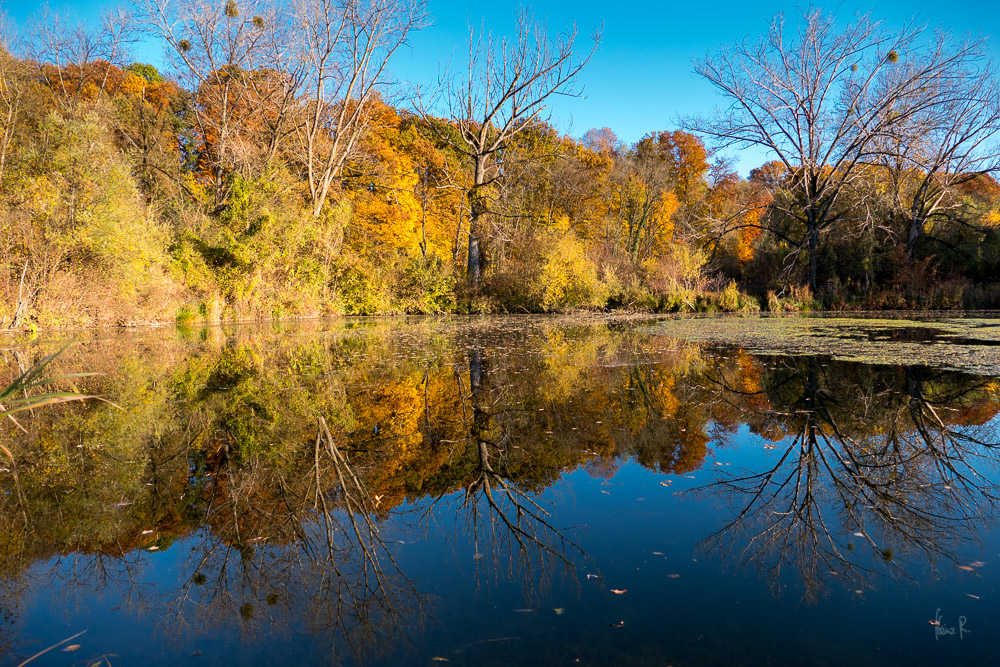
column 641, row 78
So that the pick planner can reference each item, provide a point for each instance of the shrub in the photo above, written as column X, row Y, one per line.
column 568, row 279
column 361, row 287
column 185, row 315
column 426, row 286
column 547, row 272
column 729, row 298
column 773, row 303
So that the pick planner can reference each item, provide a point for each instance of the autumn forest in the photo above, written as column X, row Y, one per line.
column 275, row 167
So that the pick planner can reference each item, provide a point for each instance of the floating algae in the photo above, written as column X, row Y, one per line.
column 964, row 344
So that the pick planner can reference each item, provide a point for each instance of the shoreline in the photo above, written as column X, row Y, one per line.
column 577, row 314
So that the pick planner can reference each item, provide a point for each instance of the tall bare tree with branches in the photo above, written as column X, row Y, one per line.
column 12, row 85
column 344, row 48
column 232, row 56
column 504, row 89
column 949, row 142
column 73, row 58
column 819, row 98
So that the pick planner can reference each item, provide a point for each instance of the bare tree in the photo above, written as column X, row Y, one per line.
column 512, row 530
column 505, row 89
column 819, row 99
column 74, row 59
column 344, row 49
column 11, row 93
column 928, row 155
column 232, row 57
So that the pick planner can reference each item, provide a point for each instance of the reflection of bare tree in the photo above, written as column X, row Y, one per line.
column 282, row 542
column 511, row 528
column 863, row 463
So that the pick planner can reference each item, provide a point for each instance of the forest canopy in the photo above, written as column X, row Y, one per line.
column 273, row 167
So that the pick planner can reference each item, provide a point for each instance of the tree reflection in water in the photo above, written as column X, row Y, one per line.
column 867, row 461
column 288, row 469
column 274, row 548
column 279, row 543
column 510, row 526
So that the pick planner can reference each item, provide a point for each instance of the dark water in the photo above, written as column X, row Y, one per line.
column 496, row 492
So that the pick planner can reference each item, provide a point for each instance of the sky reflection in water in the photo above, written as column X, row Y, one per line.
column 497, row 491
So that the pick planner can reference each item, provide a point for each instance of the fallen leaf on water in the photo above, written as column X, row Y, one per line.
column 674, row 576
column 859, row 534
column 71, row 647
column 154, row 548
column 593, row 576
column 974, row 597
column 966, row 568
column 619, row 591
column 558, row 611
column 977, row 563
column 440, row 659
column 619, row 624
column 717, row 463
column 605, row 492
column 657, row 553
column 664, row 483
column 934, row 622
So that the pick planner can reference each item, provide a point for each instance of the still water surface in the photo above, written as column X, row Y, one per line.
column 493, row 492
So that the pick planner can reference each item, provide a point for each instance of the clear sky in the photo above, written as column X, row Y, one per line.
column 641, row 78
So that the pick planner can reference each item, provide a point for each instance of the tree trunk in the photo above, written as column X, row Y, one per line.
column 477, row 208
column 423, row 216
column 813, row 246
column 478, row 391
column 474, row 269
column 916, row 231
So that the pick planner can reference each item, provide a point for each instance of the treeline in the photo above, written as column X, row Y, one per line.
column 265, row 173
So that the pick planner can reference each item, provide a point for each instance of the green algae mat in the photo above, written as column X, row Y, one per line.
column 970, row 344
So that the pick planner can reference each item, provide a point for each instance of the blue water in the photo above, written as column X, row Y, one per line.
column 582, row 558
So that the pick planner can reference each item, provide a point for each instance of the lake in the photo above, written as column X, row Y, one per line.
column 580, row 490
